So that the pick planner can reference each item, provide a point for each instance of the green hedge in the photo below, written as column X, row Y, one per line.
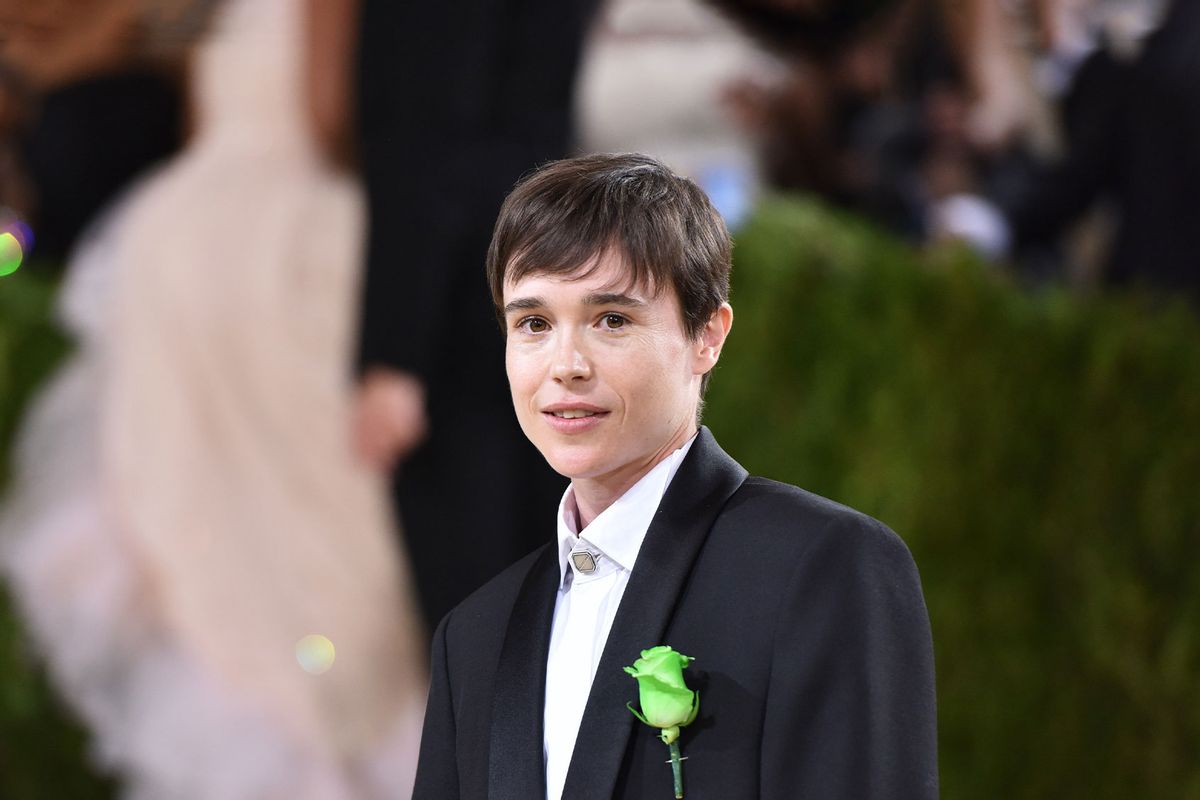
column 42, row 750
column 30, row 346
column 1039, row 453
column 1041, row 456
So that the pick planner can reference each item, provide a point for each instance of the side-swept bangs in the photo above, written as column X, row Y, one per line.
column 561, row 219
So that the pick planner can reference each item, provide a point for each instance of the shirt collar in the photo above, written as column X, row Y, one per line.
column 617, row 532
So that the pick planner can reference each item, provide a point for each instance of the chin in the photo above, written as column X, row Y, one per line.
column 573, row 462
column 571, row 468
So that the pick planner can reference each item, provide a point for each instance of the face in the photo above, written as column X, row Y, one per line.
column 604, row 380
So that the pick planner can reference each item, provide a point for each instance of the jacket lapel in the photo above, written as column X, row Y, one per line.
column 516, row 766
column 704, row 482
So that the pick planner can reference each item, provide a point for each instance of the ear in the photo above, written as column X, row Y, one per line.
column 711, row 339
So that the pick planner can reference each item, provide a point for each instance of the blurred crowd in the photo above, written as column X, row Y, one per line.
column 342, row 162
column 1054, row 135
column 1058, row 137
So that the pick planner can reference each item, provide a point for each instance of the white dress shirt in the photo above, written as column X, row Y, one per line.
column 587, row 604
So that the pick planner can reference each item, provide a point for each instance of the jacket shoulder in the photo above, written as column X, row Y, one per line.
column 780, row 515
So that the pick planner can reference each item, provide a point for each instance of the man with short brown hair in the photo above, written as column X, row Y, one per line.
column 813, row 654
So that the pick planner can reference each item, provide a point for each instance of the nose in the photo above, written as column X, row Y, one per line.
column 570, row 362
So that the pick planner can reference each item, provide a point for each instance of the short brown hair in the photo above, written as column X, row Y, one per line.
column 566, row 214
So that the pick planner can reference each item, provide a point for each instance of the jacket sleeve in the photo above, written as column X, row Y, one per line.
column 410, row 122
column 456, row 102
column 437, row 767
column 851, row 711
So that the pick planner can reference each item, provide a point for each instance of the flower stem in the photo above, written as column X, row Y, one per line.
column 677, row 770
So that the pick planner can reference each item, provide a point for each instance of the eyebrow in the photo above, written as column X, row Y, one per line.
column 613, row 299
column 524, row 304
column 593, row 299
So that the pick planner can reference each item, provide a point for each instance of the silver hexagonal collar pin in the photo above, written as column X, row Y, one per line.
column 584, row 561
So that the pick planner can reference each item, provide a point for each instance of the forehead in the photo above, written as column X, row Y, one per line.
column 606, row 272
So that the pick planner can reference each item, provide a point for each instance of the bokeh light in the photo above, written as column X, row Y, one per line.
column 315, row 654
column 23, row 233
column 11, row 254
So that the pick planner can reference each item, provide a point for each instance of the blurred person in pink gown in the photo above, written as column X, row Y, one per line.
column 206, row 568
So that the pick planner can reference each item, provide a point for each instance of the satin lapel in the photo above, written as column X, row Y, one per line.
column 705, row 480
column 516, row 766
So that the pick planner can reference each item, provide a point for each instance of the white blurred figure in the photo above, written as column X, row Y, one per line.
column 207, row 569
column 655, row 79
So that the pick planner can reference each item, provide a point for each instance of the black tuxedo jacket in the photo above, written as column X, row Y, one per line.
column 813, row 658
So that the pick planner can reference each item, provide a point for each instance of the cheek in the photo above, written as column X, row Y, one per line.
column 518, row 369
column 513, row 368
column 656, row 379
column 673, row 389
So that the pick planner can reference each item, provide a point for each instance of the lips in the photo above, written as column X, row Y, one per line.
column 573, row 413
column 573, row 417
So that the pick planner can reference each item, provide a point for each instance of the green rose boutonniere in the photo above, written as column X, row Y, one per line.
column 667, row 703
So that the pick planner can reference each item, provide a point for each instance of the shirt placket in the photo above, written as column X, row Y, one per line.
column 570, row 682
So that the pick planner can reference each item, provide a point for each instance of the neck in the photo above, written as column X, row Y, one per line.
column 594, row 495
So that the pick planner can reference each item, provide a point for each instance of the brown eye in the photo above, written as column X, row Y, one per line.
column 535, row 325
column 614, row 321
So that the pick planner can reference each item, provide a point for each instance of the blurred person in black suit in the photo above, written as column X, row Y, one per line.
column 1133, row 138
column 1131, row 125
column 457, row 101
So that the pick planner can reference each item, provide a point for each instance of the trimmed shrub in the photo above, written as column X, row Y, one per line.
column 1041, row 456
column 42, row 749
